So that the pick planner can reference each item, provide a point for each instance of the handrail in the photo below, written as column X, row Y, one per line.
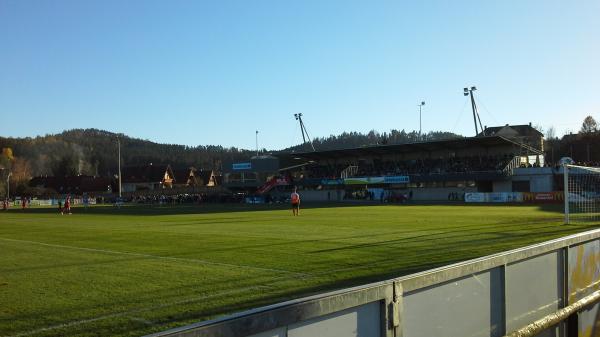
column 553, row 319
column 349, row 171
column 511, row 166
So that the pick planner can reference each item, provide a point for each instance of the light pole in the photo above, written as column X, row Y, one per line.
column 420, row 106
column 257, row 143
column 119, row 144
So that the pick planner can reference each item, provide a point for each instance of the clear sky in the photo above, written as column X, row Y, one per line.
column 213, row 72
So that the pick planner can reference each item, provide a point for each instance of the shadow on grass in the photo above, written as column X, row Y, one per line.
column 130, row 323
column 175, row 209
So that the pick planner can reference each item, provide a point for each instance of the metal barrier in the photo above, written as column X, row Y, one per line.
column 552, row 288
column 511, row 166
column 349, row 171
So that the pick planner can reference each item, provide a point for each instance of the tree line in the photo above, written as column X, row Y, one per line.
column 347, row 140
column 94, row 152
column 582, row 146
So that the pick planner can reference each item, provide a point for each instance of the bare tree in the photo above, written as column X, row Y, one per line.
column 551, row 133
column 589, row 125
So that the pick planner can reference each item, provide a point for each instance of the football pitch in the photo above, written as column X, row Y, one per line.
column 141, row 269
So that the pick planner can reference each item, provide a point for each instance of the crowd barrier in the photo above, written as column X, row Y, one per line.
column 51, row 202
column 503, row 197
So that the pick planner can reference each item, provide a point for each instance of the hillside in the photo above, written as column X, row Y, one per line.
column 94, row 152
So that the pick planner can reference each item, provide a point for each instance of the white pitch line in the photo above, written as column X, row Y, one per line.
column 158, row 257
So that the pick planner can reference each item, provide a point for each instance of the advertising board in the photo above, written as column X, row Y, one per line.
column 376, row 180
column 241, row 166
column 498, row 197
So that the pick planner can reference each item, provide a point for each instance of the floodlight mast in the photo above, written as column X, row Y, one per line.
column 298, row 117
column 469, row 92
column 257, row 143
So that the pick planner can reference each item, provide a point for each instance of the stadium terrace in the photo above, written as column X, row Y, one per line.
column 511, row 160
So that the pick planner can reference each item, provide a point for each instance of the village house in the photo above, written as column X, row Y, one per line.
column 147, row 178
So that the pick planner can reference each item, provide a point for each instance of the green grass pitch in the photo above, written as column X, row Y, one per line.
column 137, row 270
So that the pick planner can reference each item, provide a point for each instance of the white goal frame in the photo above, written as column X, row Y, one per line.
column 566, row 193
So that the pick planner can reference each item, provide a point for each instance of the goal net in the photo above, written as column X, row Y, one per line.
column 582, row 193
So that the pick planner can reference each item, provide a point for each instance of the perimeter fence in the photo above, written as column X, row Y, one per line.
column 547, row 289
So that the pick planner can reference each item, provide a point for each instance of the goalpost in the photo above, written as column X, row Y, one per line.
column 581, row 193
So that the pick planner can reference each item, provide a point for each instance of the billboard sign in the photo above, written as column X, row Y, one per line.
column 543, row 197
column 475, row 197
column 332, row 181
column 376, row 180
column 494, row 197
column 396, row 180
column 241, row 166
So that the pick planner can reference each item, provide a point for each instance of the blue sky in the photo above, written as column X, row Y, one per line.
column 213, row 72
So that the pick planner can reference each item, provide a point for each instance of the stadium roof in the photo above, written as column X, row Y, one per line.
column 374, row 150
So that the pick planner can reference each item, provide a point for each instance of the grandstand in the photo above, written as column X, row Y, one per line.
column 424, row 170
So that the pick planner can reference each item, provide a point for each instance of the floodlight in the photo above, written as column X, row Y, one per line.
column 466, row 89
column 473, row 88
column 422, row 103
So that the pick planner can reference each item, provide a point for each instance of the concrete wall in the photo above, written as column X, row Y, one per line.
column 502, row 186
column 419, row 194
column 315, row 195
column 541, row 179
column 438, row 194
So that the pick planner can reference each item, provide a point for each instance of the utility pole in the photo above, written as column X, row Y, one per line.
column 119, row 144
column 304, row 131
column 420, row 106
column 469, row 92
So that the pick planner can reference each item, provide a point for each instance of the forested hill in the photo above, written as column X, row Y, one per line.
column 94, row 152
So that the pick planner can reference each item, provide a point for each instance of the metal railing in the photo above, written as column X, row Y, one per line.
column 349, row 171
column 494, row 295
column 511, row 166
